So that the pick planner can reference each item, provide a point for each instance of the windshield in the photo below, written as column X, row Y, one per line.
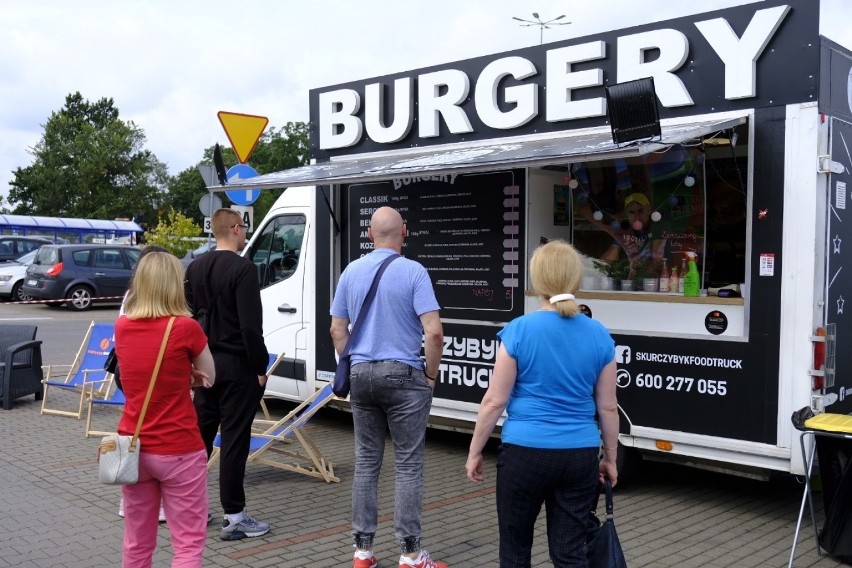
column 28, row 258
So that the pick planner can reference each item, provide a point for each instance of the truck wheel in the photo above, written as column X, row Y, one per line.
column 629, row 463
column 79, row 298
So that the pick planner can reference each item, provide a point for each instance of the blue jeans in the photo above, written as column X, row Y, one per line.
column 388, row 395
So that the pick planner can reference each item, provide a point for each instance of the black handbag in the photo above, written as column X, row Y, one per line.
column 111, row 366
column 602, row 546
column 340, row 386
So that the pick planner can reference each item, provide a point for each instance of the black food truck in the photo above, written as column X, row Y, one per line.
column 710, row 204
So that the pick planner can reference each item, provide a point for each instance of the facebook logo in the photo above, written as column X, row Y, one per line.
column 622, row 355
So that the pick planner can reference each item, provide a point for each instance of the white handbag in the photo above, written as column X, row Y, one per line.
column 118, row 456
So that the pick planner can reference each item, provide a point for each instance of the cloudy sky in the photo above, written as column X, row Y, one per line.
column 171, row 65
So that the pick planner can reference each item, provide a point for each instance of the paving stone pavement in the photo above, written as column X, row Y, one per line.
column 56, row 514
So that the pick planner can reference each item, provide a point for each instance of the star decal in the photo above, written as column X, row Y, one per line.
column 840, row 302
column 837, row 240
column 762, row 213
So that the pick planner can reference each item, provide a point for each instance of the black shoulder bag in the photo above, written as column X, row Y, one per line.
column 603, row 548
column 340, row 387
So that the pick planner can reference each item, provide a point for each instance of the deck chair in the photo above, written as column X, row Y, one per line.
column 88, row 366
column 114, row 399
column 272, row 446
column 274, row 361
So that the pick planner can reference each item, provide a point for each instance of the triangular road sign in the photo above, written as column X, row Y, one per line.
column 243, row 130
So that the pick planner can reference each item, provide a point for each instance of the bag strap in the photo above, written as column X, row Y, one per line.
column 608, row 488
column 151, row 384
column 365, row 307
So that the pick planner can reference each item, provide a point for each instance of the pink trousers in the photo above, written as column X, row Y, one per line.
column 181, row 482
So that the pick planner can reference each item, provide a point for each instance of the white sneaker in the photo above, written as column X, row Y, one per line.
column 161, row 518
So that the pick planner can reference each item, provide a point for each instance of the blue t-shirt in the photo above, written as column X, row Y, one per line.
column 559, row 360
column 392, row 330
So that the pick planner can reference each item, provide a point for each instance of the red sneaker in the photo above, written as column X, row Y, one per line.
column 424, row 561
column 362, row 561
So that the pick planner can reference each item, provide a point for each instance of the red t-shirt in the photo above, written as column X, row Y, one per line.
column 171, row 425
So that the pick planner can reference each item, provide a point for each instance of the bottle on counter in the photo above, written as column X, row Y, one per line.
column 692, row 280
column 683, row 270
column 674, row 280
column 664, row 277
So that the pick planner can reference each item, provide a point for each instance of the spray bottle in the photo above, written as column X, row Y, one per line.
column 691, row 280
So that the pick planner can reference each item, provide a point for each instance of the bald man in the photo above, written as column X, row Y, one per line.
column 390, row 386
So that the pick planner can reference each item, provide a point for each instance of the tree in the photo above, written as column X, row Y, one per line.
column 183, row 192
column 174, row 233
column 89, row 163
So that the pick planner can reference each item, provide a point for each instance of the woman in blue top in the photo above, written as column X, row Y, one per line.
column 555, row 377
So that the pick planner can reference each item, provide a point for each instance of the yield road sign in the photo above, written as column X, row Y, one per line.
column 243, row 130
column 242, row 196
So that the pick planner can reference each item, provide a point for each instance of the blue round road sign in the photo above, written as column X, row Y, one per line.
column 242, row 196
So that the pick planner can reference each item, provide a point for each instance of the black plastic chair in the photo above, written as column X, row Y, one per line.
column 21, row 367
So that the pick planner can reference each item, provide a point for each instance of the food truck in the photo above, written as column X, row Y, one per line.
column 741, row 163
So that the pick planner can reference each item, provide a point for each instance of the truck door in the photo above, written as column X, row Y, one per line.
column 838, row 384
column 279, row 253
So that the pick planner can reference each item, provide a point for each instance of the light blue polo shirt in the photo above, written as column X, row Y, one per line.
column 392, row 330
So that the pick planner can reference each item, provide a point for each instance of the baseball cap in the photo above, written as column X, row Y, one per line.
column 639, row 198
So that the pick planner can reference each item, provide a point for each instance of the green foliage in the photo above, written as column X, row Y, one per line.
column 174, row 233
column 89, row 163
column 184, row 191
column 619, row 269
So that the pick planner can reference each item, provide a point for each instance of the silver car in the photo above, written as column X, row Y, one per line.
column 12, row 277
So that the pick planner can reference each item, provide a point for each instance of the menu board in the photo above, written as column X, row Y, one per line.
column 466, row 229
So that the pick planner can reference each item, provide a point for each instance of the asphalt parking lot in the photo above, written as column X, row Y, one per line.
column 56, row 514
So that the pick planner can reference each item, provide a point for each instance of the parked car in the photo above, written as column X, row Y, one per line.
column 12, row 277
column 80, row 274
column 13, row 248
column 205, row 247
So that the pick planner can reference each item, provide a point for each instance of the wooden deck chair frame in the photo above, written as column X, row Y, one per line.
column 281, row 436
column 68, row 383
column 109, row 400
column 267, row 419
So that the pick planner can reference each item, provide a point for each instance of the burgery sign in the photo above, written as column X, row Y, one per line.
column 707, row 62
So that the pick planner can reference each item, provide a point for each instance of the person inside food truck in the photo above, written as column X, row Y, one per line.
column 634, row 235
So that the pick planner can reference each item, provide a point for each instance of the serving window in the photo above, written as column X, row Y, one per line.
column 635, row 219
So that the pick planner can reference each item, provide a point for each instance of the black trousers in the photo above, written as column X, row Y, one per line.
column 565, row 482
column 232, row 404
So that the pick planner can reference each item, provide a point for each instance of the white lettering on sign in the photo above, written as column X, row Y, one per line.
column 740, row 54
column 562, row 81
column 688, row 360
column 403, row 111
column 487, row 95
column 441, row 94
column 400, row 182
column 432, row 104
column 339, row 127
column 470, row 347
column 673, row 48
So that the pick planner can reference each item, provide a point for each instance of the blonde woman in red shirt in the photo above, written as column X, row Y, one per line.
column 173, row 461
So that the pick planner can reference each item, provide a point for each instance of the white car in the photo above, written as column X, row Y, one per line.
column 12, row 277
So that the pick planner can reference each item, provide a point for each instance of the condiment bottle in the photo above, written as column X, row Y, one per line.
column 691, row 281
column 664, row 277
column 674, row 280
column 683, row 271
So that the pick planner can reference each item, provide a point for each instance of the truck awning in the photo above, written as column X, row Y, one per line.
column 567, row 147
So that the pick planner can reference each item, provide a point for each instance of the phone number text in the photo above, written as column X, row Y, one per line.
column 684, row 384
